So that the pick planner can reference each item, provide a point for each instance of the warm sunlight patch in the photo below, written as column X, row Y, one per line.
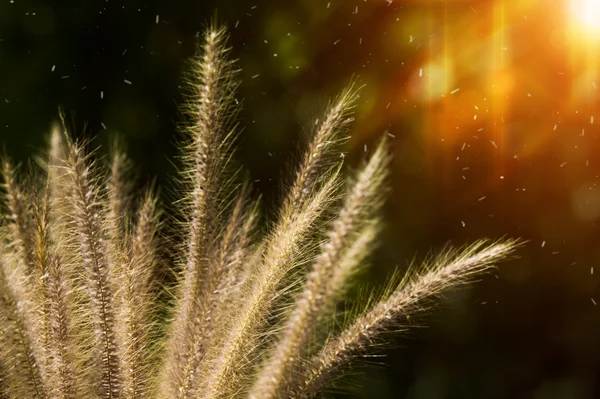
column 587, row 14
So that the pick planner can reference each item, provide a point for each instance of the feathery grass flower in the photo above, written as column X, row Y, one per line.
column 82, row 314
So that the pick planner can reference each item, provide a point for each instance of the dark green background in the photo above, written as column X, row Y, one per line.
column 529, row 330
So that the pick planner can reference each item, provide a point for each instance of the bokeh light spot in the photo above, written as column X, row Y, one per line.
column 587, row 14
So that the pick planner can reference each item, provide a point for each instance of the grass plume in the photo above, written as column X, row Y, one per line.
column 451, row 268
column 340, row 254
column 62, row 375
column 83, row 314
column 90, row 220
column 23, row 379
column 17, row 213
column 209, row 134
column 134, row 322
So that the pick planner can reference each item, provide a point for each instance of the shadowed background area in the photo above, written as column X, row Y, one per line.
column 490, row 106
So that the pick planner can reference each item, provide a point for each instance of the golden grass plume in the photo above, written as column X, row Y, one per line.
column 82, row 312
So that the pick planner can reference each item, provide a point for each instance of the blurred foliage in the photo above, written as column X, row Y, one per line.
column 491, row 106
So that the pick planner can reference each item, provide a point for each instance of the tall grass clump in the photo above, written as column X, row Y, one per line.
column 252, row 312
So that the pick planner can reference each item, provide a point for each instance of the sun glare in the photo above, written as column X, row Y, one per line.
column 587, row 14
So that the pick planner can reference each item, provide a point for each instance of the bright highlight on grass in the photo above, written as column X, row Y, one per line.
column 587, row 15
